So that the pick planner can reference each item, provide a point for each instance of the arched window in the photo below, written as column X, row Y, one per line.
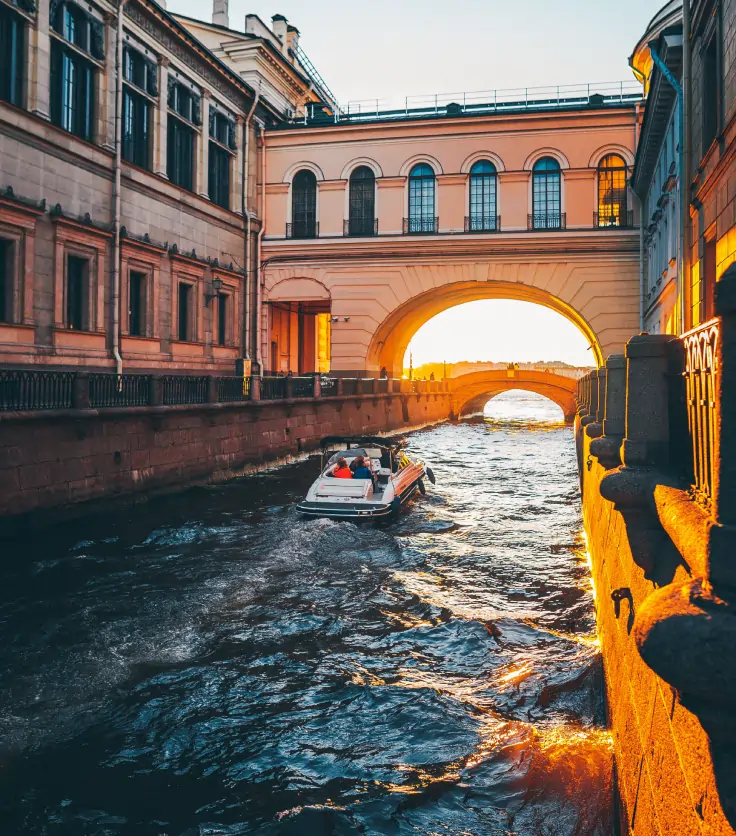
column 546, row 197
column 483, row 186
column 362, row 202
column 421, row 200
column 303, row 206
column 612, row 199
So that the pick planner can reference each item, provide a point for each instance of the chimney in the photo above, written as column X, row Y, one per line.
column 279, row 26
column 220, row 15
column 292, row 37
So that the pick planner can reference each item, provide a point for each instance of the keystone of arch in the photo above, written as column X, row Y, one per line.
column 537, row 155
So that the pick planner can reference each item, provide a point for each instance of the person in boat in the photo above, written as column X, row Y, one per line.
column 361, row 469
column 342, row 471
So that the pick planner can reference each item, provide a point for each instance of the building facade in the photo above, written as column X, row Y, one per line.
column 379, row 222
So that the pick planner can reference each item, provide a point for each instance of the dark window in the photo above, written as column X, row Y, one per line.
column 137, row 308
column 612, row 191
column 708, row 285
column 222, row 143
column 6, row 280
column 222, row 306
column 180, row 140
column 546, row 200
column 304, row 205
column 180, row 163
column 362, row 202
column 185, row 312
column 711, row 93
column 483, row 185
column 12, row 40
column 421, row 199
column 136, row 108
column 77, row 273
column 72, row 75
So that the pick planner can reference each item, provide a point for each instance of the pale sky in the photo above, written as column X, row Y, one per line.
column 388, row 49
column 500, row 330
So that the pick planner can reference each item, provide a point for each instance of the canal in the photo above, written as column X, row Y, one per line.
column 209, row 663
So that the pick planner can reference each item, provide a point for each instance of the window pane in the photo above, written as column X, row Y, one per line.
column 304, row 205
column 546, row 197
column 180, row 153
column 612, row 191
column 12, row 37
column 136, row 140
column 185, row 291
column 219, row 175
column 6, row 280
column 222, row 301
column 421, row 199
column 72, row 92
column 76, row 293
column 362, row 202
column 137, row 327
column 483, row 184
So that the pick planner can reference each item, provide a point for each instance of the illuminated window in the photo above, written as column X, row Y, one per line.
column 362, row 211
column 303, row 205
column 612, row 189
column 546, row 195
column 421, row 199
column 483, row 189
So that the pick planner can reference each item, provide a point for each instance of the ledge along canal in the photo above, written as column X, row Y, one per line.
column 210, row 663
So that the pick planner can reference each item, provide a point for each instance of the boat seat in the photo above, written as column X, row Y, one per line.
column 345, row 488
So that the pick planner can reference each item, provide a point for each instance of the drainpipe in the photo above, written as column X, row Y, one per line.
column 257, row 335
column 116, row 193
column 684, row 202
column 685, row 178
column 246, row 218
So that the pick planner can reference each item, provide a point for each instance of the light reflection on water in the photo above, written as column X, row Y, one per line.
column 212, row 664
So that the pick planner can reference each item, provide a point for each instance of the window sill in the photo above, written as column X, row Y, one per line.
column 140, row 345
column 68, row 338
column 12, row 332
column 180, row 348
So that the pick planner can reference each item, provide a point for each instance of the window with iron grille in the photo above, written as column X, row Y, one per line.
column 483, row 187
column 137, row 303
column 546, row 194
column 304, row 205
column 77, row 293
column 223, row 303
column 184, row 112
column 139, row 76
column 222, row 139
column 185, row 312
column 362, row 201
column 12, row 43
column 421, row 199
column 7, row 253
column 612, row 191
column 73, row 77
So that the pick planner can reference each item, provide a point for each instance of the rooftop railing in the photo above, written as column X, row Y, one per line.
column 480, row 102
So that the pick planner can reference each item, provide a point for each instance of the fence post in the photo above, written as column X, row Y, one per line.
column 646, row 443
column 339, row 387
column 374, row 386
column 592, row 399
column 317, row 393
column 608, row 448
column 595, row 428
column 255, row 388
column 155, row 390
column 80, row 391
column 212, row 389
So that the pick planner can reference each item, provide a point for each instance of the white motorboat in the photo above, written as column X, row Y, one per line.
column 395, row 479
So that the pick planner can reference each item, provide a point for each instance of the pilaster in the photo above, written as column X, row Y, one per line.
column 38, row 63
column 161, row 120
column 203, row 156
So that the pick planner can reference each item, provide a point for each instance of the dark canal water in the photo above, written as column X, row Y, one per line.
column 212, row 664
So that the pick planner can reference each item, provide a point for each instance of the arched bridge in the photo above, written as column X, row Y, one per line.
column 470, row 392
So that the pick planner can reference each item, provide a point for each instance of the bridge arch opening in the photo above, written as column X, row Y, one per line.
column 516, row 405
column 393, row 336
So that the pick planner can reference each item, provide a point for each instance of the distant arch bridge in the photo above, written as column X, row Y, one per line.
column 470, row 392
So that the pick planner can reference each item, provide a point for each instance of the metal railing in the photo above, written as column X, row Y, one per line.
column 701, row 373
column 483, row 223
column 273, row 388
column 22, row 390
column 233, row 389
column 328, row 386
column 360, row 227
column 302, row 387
column 421, row 226
column 302, row 231
column 608, row 221
column 350, row 386
column 119, row 390
column 184, row 389
column 603, row 94
column 550, row 221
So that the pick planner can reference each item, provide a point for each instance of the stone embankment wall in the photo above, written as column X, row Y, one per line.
column 656, row 439
column 52, row 459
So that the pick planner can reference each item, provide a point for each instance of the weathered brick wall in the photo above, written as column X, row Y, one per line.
column 665, row 768
column 49, row 460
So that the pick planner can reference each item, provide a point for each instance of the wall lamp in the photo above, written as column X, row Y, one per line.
column 338, row 318
column 216, row 288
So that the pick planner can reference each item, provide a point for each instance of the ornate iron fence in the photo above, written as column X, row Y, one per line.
column 119, row 390
column 360, row 227
column 483, row 223
column 183, row 389
column 610, row 221
column 555, row 220
column 701, row 373
column 273, row 388
column 31, row 389
column 302, row 387
column 302, row 231
column 421, row 226
column 233, row 389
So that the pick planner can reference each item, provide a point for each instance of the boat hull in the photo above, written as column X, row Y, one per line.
column 357, row 510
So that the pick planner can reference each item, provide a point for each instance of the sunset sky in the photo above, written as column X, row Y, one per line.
column 389, row 49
